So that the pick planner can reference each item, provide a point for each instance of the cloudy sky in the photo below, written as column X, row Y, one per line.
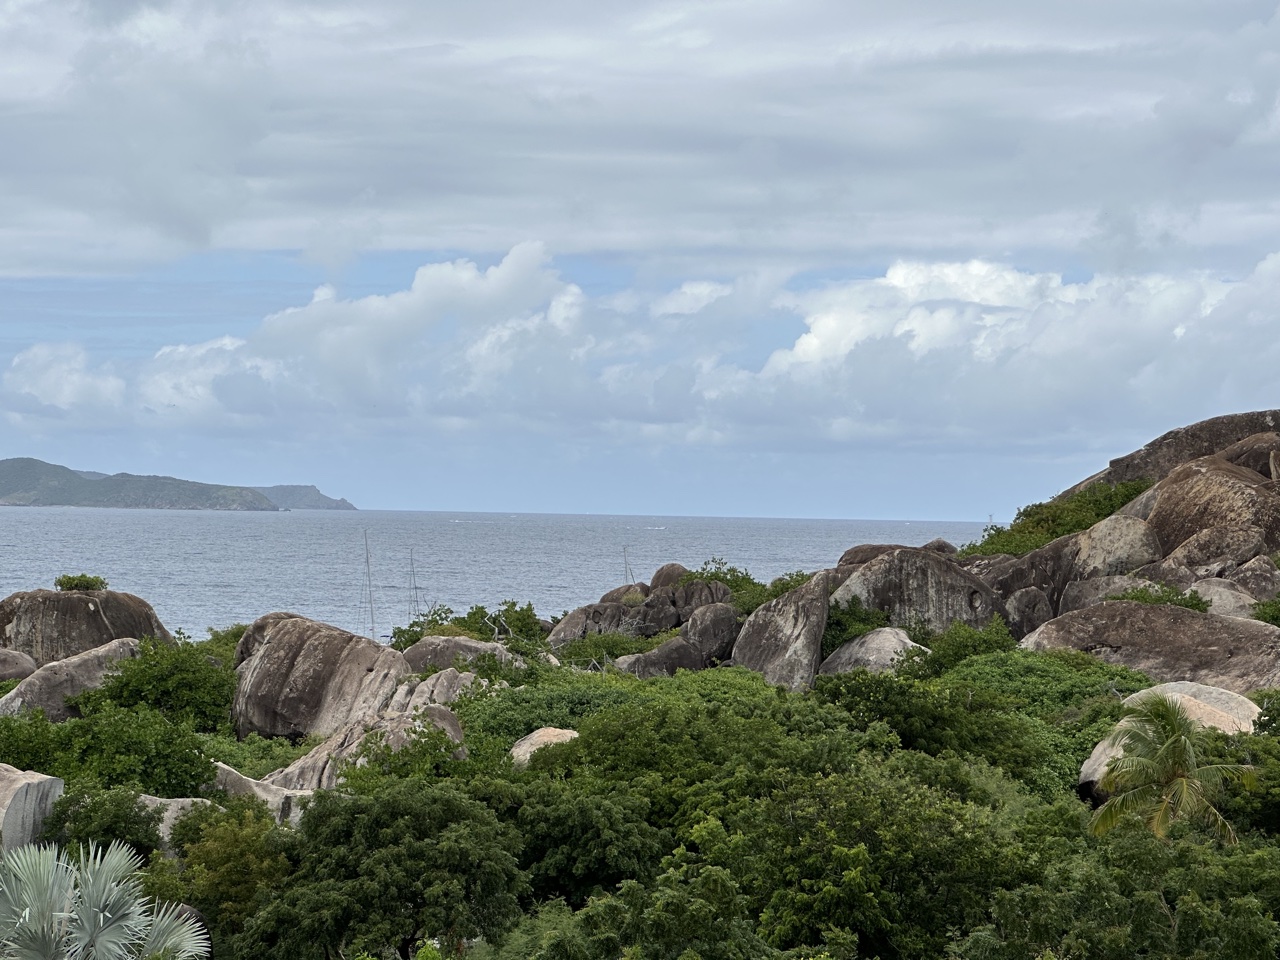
column 756, row 257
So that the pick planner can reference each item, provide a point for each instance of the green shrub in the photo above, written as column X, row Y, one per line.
column 255, row 756
column 1268, row 611
column 602, row 647
column 509, row 621
column 1039, row 523
column 746, row 593
column 179, row 680
column 1162, row 593
column 88, row 813
column 80, row 581
column 221, row 644
column 847, row 622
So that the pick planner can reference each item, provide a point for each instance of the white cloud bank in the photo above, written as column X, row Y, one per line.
column 951, row 357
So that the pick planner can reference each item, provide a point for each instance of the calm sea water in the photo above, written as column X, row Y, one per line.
column 213, row 568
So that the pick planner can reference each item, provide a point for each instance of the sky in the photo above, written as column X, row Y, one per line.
column 927, row 260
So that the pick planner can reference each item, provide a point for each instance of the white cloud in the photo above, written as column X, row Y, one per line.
column 691, row 297
column 61, row 380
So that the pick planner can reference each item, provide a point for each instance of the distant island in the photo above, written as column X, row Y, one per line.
column 27, row 482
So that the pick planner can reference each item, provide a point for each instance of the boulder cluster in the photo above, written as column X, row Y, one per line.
column 1210, row 521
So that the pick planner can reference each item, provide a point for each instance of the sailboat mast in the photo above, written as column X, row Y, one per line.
column 368, row 579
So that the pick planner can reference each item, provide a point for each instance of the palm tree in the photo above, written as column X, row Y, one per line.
column 1159, row 775
column 53, row 907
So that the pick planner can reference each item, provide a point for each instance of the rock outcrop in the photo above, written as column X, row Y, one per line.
column 1226, row 599
column 440, row 652
column 630, row 593
column 322, row 768
column 1211, row 492
column 782, row 639
column 526, row 746
column 300, row 677
column 16, row 665
column 662, row 661
column 665, row 608
column 1211, row 706
column 26, row 798
column 1170, row 643
column 877, row 652
column 285, row 805
column 171, row 810
column 49, row 625
column 1259, row 577
column 1085, row 593
column 1028, row 609
column 668, row 575
column 911, row 583
column 711, row 630
column 50, row 687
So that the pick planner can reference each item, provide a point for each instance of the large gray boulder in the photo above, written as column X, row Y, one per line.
column 665, row 608
column 1218, row 550
column 1211, row 706
column 443, row 686
column 1114, row 545
column 1028, row 608
column 16, row 665
column 1225, row 598
column 50, row 687
column 662, row 661
column 668, row 575
column 1085, row 593
column 440, row 652
column 528, row 745
column 877, row 651
column 1211, row 492
column 1170, row 643
column 171, row 810
column 285, row 805
column 303, row 678
column 1178, row 446
column 49, row 625
column 26, row 798
column 866, row 552
column 782, row 639
column 323, row 767
column 1256, row 452
column 628, row 593
column 711, row 630
column 1260, row 578
column 921, row 584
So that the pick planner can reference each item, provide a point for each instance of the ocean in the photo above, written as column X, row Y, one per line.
column 202, row 569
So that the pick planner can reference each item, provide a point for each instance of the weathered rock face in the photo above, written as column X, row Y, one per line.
column 711, row 631
column 526, row 746
column 1210, row 492
column 1226, row 599
column 662, row 661
column 1112, row 546
column 1218, row 550
column 666, row 608
column 171, row 810
column 1170, row 643
column 15, row 665
column 50, row 625
column 866, row 552
column 877, row 652
column 1259, row 577
column 668, row 575
column 920, row 583
column 305, row 677
column 285, row 805
column 1172, row 449
column 322, row 768
column 627, row 593
column 50, row 687
column 941, row 546
column 1085, row 593
column 26, row 798
column 782, row 639
column 444, row 686
column 1212, row 706
column 441, row 652
column 1254, row 453
column 1028, row 609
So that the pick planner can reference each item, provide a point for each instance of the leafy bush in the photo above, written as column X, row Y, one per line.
column 137, row 746
column 602, row 647
column 1039, row 523
column 86, row 813
column 1268, row 611
column 509, row 621
column 746, row 592
column 79, row 581
column 956, row 644
column 849, row 621
column 255, row 756
column 1162, row 593
column 179, row 680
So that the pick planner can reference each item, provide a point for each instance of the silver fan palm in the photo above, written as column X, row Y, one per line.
column 57, row 907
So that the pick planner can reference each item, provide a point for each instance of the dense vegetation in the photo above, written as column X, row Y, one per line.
column 1040, row 523
column 914, row 815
